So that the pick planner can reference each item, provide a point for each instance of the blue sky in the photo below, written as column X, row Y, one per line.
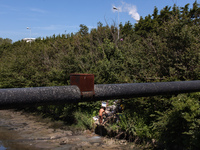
column 48, row 17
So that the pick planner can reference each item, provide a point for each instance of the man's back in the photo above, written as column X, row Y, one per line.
column 101, row 112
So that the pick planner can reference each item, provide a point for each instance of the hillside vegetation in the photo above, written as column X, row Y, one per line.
column 163, row 46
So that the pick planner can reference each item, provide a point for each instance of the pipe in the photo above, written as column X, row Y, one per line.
column 15, row 97
column 131, row 90
column 18, row 97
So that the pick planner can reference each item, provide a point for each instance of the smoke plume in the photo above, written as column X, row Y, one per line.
column 131, row 9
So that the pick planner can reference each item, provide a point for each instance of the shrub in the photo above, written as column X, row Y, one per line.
column 178, row 127
column 83, row 120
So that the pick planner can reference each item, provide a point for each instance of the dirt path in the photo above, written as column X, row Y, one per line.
column 24, row 131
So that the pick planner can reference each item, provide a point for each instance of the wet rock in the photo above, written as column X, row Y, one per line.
column 54, row 137
column 87, row 132
column 42, row 138
column 122, row 142
column 63, row 142
column 96, row 144
column 57, row 135
column 132, row 146
column 50, row 130
column 84, row 144
column 68, row 133
column 109, row 141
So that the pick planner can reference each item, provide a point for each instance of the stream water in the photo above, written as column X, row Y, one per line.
column 25, row 132
column 10, row 140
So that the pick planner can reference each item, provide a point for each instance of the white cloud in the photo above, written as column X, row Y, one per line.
column 8, row 8
column 38, row 10
column 50, row 27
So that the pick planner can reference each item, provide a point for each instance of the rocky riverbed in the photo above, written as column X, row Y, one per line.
column 19, row 130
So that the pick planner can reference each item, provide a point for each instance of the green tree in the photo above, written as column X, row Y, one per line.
column 83, row 30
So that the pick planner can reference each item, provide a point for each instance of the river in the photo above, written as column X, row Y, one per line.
column 22, row 131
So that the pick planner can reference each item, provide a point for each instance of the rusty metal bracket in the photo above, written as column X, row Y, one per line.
column 85, row 83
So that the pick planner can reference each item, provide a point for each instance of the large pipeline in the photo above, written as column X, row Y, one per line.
column 18, row 97
column 130, row 90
